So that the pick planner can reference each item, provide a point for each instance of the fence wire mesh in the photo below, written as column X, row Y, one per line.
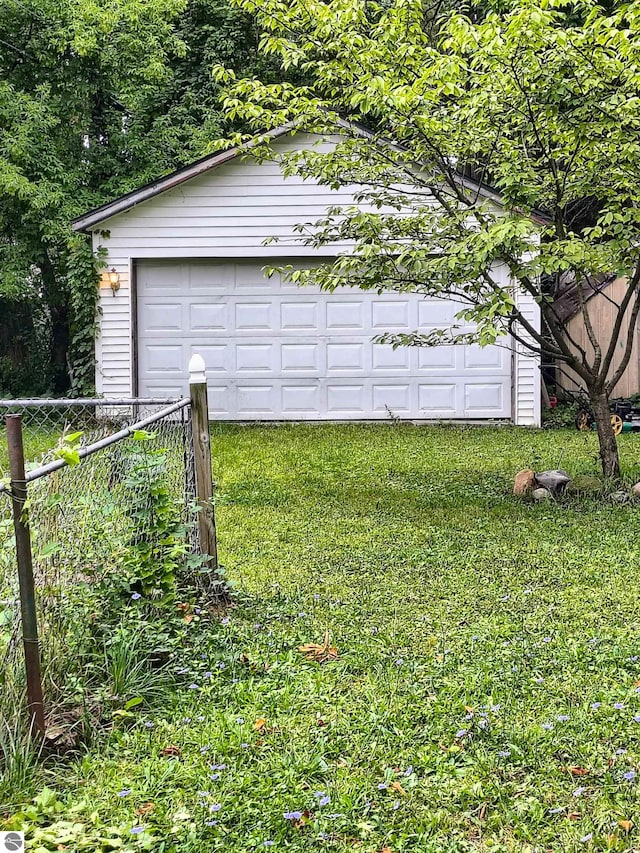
column 87, row 519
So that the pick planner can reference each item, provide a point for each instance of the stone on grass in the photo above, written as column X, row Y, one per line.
column 619, row 497
column 540, row 494
column 635, row 490
column 555, row 481
column 523, row 482
column 585, row 483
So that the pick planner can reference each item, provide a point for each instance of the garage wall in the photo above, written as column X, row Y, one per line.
column 227, row 212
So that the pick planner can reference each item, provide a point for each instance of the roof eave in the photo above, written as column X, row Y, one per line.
column 94, row 217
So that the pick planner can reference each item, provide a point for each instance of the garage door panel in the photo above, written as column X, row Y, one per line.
column 276, row 351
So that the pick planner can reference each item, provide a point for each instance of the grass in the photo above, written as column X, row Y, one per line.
column 485, row 697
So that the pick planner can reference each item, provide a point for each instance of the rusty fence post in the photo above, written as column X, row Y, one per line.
column 202, row 452
column 28, row 611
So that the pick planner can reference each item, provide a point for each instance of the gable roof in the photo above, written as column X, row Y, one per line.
column 129, row 200
column 160, row 185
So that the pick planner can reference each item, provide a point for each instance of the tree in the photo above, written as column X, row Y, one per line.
column 95, row 99
column 541, row 102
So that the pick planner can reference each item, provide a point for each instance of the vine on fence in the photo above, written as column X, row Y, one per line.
column 83, row 276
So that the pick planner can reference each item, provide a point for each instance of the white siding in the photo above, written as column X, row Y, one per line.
column 228, row 212
column 527, row 404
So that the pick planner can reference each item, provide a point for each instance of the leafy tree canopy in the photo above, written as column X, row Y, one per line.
column 542, row 102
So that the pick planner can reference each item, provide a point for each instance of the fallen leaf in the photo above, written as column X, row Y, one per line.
column 468, row 709
column 574, row 815
column 145, row 808
column 320, row 653
column 483, row 812
column 578, row 771
column 171, row 751
column 386, row 849
column 398, row 787
column 188, row 618
column 320, row 723
column 260, row 724
column 300, row 822
column 627, row 825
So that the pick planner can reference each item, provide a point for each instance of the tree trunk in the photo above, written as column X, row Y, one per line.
column 606, row 438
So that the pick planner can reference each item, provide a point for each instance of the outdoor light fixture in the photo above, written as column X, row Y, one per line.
column 114, row 280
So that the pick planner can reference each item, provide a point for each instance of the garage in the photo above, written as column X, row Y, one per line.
column 184, row 274
column 275, row 351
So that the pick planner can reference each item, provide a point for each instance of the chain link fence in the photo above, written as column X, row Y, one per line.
column 111, row 506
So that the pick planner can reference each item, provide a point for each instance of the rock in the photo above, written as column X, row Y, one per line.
column 635, row 490
column 541, row 494
column 523, row 482
column 585, row 483
column 555, row 481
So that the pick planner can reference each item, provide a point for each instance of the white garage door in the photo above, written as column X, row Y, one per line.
column 276, row 351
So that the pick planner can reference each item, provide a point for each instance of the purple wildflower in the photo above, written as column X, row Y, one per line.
column 135, row 597
column 193, row 687
column 461, row 733
column 586, row 837
column 618, row 706
column 629, row 776
column 636, row 719
column 408, row 771
column 268, row 843
column 399, row 662
column 218, row 766
column 214, row 777
column 292, row 815
column 382, row 786
column 215, row 807
column 562, row 718
column 547, row 726
column 579, row 792
column 149, row 724
column 556, row 810
column 396, row 805
column 211, row 823
column 504, row 753
column 136, row 830
column 595, row 705
column 225, row 621
column 124, row 793
column 546, row 639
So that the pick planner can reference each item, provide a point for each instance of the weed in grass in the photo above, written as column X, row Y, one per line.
column 18, row 760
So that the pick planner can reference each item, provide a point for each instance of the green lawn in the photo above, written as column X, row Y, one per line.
column 485, row 695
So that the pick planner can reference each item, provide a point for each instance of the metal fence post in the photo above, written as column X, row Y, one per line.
column 202, row 453
column 25, row 572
